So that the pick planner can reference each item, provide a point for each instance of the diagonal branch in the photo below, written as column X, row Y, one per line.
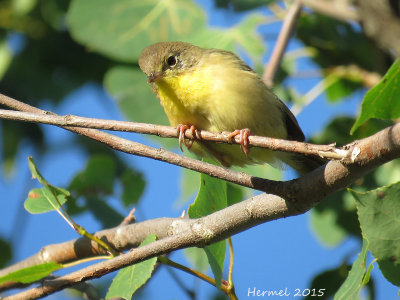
column 283, row 39
column 293, row 197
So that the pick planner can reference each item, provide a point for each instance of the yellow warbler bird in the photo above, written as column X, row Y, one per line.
column 214, row 90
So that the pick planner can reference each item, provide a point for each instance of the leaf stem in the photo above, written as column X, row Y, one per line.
column 225, row 286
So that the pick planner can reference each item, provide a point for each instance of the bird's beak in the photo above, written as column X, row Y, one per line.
column 154, row 76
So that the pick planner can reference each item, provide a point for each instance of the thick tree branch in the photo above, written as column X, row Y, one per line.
column 292, row 198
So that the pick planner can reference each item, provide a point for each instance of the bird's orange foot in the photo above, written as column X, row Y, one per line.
column 244, row 139
column 181, row 129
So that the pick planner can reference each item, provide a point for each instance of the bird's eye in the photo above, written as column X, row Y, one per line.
column 171, row 61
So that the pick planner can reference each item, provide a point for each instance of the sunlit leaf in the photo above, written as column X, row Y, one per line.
column 43, row 200
column 354, row 282
column 121, row 29
column 382, row 101
column 31, row 274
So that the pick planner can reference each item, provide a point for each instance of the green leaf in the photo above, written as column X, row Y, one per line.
column 242, row 36
column 382, row 101
column 354, row 282
column 35, row 172
column 336, row 43
column 97, row 178
column 189, row 185
column 367, row 276
column 216, row 257
column 129, row 87
column 31, row 274
column 133, row 185
column 129, row 279
column 121, row 29
column 378, row 212
column 212, row 197
column 43, row 200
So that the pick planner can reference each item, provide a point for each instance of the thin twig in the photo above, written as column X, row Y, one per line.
column 324, row 151
column 281, row 44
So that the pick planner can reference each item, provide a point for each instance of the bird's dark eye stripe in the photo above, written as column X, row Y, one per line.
column 171, row 61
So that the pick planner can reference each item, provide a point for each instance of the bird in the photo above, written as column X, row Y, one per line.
column 214, row 90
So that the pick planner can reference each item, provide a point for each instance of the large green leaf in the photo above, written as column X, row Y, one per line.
column 212, row 196
column 243, row 36
column 379, row 212
column 129, row 279
column 121, row 29
column 383, row 100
